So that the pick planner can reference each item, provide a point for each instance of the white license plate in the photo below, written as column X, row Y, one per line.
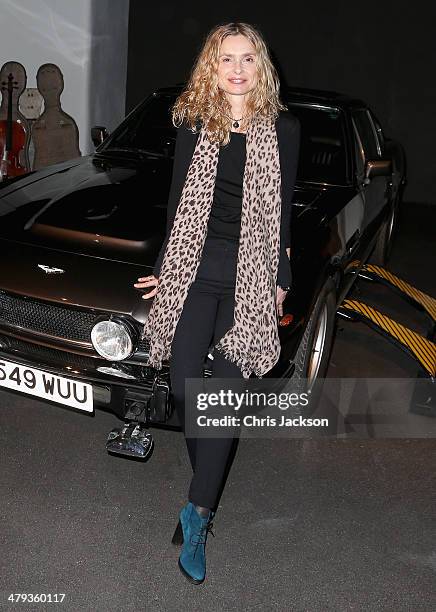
column 45, row 385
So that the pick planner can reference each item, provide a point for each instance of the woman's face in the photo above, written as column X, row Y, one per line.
column 237, row 70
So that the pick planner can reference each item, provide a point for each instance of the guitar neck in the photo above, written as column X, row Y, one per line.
column 9, row 122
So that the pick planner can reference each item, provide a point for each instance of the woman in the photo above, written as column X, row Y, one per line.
column 223, row 270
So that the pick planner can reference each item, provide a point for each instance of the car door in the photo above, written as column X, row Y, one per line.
column 374, row 191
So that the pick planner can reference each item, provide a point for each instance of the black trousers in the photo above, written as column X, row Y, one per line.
column 207, row 314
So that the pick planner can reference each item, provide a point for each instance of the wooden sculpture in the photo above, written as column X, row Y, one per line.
column 55, row 134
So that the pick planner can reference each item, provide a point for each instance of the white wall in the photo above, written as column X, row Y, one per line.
column 108, row 73
column 88, row 43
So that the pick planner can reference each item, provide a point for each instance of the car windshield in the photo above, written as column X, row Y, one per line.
column 149, row 130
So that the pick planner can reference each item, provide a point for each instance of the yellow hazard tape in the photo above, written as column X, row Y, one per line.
column 422, row 298
column 424, row 350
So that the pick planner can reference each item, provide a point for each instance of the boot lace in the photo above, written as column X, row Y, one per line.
column 200, row 537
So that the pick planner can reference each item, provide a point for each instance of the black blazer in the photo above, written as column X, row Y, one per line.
column 288, row 137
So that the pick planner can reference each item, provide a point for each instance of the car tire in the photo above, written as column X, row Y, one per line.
column 313, row 353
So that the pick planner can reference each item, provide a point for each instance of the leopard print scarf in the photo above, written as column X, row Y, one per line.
column 253, row 341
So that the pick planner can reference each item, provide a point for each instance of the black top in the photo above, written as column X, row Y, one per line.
column 225, row 214
column 288, row 137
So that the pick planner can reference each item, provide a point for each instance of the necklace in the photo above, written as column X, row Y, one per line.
column 236, row 122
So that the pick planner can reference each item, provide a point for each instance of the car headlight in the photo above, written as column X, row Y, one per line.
column 112, row 339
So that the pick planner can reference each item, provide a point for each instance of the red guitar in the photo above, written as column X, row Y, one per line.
column 12, row 137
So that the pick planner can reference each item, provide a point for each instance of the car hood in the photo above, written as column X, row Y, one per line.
column 49, row 275
column 97, row 206
column 81, row 232
column 105, row 207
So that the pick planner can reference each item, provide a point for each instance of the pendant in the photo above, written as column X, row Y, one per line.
column 235, row 124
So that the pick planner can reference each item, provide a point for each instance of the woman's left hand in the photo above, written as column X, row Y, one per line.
column 280, row 298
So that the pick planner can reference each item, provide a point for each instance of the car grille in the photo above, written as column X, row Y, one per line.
column 49, row 355
column 143, row 346
column 41, row 356
column 51, row 320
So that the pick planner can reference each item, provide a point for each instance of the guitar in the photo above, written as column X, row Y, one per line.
column 12, row 136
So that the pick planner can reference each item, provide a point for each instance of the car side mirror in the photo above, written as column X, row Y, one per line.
column 98, row 134
column 377, row 167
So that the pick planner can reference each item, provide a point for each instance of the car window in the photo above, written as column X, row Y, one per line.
column 378, row 130
column 149, row 128
column 367, row 135
column 322, row 148
column 359, row 154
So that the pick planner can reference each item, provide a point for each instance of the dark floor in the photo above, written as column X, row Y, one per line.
column 303, row 525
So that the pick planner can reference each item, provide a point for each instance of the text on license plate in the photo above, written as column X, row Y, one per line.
column 65, row 391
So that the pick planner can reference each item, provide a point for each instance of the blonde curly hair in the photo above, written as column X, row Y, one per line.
column 202, row 99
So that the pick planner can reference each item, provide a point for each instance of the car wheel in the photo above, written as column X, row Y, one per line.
column 312, row 356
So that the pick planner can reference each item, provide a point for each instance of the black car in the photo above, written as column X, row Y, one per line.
column 75, row 236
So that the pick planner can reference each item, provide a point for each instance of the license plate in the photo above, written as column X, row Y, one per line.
column 58, row 389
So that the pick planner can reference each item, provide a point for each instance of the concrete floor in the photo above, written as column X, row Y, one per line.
column 303, row 525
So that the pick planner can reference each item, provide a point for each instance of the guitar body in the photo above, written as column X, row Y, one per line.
column 10, row 164
column 14, row 129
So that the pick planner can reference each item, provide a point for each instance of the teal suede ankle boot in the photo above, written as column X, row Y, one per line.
column 192, row 560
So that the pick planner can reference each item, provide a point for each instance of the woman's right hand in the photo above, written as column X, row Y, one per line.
column 147, row 281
